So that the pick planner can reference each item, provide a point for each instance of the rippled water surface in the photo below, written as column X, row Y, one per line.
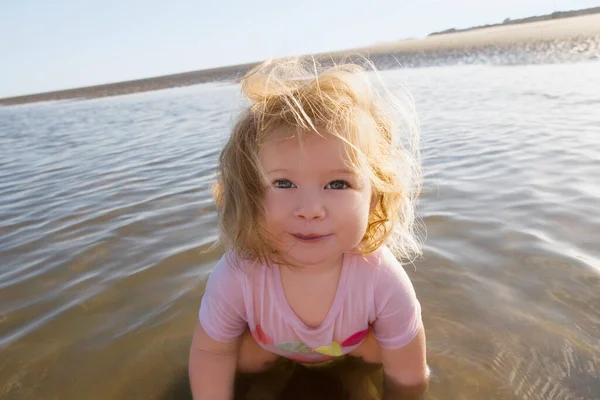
column 105, row 213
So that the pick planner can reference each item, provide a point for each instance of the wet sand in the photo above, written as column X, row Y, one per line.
column 499, row 38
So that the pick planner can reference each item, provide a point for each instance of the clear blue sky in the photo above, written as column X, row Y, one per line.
column 50, row 45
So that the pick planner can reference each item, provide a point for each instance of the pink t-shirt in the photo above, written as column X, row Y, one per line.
column 373, row 293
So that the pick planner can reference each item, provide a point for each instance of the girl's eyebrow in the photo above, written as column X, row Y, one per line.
column 343, row 171
column 332, row 171
column 277, row 170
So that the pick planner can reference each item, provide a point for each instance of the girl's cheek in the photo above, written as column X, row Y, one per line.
column 276, row 201
column 270, row 197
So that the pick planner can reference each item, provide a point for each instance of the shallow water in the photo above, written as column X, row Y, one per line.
column 105, row 213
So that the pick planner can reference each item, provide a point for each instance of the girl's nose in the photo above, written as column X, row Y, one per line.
column 310, row 206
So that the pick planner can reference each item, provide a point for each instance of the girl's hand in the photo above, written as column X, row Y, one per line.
column 405, row 369
column 212, row 366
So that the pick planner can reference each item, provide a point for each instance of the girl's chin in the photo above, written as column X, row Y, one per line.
column 301, row 259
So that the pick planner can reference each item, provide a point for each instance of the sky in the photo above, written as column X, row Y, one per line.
column 52, row 45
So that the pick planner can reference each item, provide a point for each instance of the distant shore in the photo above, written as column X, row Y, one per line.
column 501, row 35
column 538, row 18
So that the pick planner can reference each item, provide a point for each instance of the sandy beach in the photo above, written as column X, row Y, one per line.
column 561, row 29
column 498, row 37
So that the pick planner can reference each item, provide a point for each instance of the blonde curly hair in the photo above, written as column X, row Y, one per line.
column 381, row 139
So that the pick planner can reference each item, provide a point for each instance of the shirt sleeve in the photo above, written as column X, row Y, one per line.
column 397, row 309
column 223, row 310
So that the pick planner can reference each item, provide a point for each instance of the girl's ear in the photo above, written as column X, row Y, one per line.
column 375, row 198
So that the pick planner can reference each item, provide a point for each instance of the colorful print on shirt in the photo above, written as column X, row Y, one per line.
column 298, row 351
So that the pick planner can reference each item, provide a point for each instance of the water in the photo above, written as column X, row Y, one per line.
column 105, row 213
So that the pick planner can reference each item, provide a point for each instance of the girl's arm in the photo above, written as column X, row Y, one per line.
column 398, row 328
column 405, row 370
column 212, row 366
column 217, row 336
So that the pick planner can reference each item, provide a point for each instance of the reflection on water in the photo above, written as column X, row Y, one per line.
column 105, row 213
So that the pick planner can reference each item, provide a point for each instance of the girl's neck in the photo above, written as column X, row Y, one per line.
column 324, row 268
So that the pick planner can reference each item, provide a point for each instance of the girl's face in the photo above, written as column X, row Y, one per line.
column 316, row 209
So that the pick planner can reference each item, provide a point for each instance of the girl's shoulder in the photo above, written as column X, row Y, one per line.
column 381, row 268
column 378, row 261
column 231, row 266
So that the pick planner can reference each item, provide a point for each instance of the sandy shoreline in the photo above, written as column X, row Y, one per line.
column 588, row 25
column 497, row 36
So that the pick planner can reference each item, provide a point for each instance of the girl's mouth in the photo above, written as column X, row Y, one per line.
column 309, row 238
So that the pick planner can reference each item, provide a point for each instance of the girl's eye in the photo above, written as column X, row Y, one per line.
column 337, row 185
column 283, row 184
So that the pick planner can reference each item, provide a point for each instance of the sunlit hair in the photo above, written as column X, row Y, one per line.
column 381, row 136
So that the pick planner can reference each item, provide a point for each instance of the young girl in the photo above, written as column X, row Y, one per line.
column 315, row 196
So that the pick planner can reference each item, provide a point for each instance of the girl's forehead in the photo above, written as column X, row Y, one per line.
column 310, row 154
column 310, row 147
column 291, row 139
